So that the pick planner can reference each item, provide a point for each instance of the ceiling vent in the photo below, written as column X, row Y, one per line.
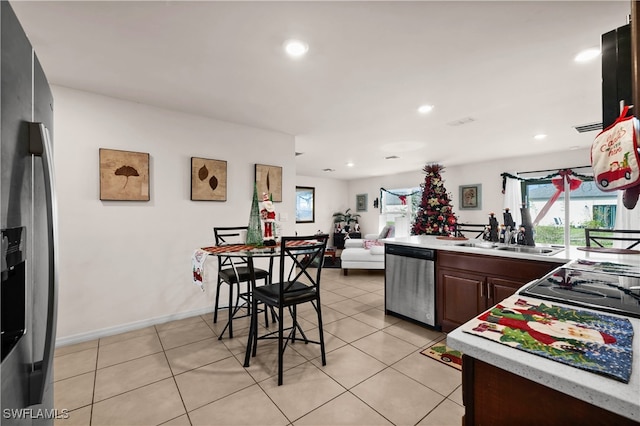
column 584, row 128
column 299, row 153
column 462, row 121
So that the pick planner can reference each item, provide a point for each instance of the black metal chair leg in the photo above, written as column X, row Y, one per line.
column 215, row 305
column 280, row 344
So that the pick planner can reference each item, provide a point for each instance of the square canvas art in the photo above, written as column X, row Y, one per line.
column 269, row 181
column 124, row 175
column 208, row 179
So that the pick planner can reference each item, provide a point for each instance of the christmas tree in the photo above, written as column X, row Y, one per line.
column 254, row 233
column 435, row 214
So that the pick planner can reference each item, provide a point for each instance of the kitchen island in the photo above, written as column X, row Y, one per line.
column 504, row 385
column 509, row 385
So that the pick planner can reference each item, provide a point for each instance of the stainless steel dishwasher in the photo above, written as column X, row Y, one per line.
column 410, row 284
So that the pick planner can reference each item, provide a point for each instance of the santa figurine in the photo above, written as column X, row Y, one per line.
column 268, row 214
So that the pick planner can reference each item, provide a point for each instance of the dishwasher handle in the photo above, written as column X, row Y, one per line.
column 414, row 252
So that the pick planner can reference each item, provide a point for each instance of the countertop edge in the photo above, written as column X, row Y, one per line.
column 592, row 388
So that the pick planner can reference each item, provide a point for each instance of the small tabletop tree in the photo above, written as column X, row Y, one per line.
column 435, row 215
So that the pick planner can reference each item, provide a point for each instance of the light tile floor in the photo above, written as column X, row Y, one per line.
column 179, row 373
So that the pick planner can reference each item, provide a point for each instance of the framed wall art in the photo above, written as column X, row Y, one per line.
column 471, row 197
column 305, row 204
column 269, row 181
column 208, row 179
column 124, row 175
column 361, row 202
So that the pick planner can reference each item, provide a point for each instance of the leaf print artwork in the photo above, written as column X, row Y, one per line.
column 208, row 179
column 269, row 181
column 203, row 172
column 126, row 171
column 115, row 164
column 213, row 182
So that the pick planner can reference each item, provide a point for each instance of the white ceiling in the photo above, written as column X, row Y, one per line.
column 507, row 65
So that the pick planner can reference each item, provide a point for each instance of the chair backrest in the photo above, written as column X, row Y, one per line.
column 230, row 235
column 471, row 228
column 598, row 236
column 225, row 235
column 298, row 256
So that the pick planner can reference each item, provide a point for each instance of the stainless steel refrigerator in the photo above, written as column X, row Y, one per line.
column 28, row 216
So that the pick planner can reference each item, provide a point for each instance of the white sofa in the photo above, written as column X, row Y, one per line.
column 365, row 253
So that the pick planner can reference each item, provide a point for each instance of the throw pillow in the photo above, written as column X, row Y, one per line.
column 384, row 232
column 371, row 243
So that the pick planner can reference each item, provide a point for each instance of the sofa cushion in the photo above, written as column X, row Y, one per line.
column 376, row 254
column 377, row 249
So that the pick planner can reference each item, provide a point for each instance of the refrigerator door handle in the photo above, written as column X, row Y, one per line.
column 40, row 145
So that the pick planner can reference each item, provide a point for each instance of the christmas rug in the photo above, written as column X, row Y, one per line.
column 595, row 342
column 444, row 354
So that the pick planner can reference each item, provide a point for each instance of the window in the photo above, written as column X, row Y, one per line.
column 305, row 204
column 588, row 208
column 399, row 208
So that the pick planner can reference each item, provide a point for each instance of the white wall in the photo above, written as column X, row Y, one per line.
column 485, row 173
column 330, row 197
column 128, row 264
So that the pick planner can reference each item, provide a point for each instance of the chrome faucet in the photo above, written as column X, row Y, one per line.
column 510, row 234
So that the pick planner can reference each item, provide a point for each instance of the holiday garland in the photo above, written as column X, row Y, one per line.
column 544, row 179
column 400, row 195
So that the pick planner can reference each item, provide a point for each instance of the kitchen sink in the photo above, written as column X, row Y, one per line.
column 543, row 251
column 479, row 244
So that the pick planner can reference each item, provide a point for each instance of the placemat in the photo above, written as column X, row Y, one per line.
column 590, row 341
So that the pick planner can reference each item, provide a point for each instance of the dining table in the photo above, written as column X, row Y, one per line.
column 243, row 253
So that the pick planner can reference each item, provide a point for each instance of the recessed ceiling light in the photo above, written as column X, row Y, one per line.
column 328, row 170
column 350, row 164
column 391, row 157
column 587, row 55
column 540, row 136
column 423, row 109
column 295, row 48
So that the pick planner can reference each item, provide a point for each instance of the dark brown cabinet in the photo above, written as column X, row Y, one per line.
column 467, row 284
column 493, row 396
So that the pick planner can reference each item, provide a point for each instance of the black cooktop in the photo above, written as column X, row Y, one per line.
column 600, row 286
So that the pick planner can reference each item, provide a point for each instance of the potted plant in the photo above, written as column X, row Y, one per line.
column 347, row 217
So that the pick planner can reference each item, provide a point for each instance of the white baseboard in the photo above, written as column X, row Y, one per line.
column 96, row 334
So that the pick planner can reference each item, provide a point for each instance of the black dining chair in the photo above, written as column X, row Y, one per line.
column 233, row 271
column 630, row 237
column 300, row 268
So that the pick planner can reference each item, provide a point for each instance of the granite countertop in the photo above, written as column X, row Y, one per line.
column 620, row 398
column 562, row 257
